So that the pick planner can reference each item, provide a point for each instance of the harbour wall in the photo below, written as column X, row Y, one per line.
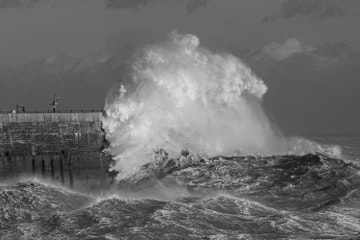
column 66, row 147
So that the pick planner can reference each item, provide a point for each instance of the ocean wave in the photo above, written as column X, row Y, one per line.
column 225, row 197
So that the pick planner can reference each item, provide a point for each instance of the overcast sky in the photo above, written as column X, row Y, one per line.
column 306, row 51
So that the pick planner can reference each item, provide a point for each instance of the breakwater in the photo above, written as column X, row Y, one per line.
column 66, row 147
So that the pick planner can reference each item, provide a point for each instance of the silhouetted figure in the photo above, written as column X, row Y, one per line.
column 122, row 90
column 54, row 103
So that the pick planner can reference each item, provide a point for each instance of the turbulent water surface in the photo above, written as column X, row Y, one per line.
column 279, row 197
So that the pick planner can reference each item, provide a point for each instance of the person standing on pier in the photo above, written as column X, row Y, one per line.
column 54, row 103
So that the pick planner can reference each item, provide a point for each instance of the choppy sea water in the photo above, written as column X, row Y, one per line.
column 349, row 143
column 240, row 197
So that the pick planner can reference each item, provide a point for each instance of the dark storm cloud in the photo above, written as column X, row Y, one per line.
column 194, row 5
column 123, row 4
column 20, row 3
column 191, row 5
column 321, row 8
column 332, row 11
column 316, row 8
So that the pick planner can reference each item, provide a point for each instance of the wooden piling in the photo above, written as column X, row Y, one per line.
column 62, row 179
column 43, row 166
column 52, row 168
column 33, row 165
column 71, row 177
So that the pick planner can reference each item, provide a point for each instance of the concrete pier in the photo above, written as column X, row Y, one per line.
column 66, row 147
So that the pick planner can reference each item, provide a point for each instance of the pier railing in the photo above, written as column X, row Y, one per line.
column 57, row 111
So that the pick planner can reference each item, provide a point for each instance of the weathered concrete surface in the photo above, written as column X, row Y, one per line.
column 64, row 146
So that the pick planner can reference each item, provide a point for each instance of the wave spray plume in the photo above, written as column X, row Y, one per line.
column 182, row 95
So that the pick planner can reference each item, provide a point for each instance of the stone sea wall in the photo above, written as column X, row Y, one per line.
column 66, row 147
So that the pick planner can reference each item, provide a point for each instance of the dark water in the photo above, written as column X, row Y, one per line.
column 277, row 197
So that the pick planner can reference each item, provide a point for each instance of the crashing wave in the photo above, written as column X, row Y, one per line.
column 181, row 95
